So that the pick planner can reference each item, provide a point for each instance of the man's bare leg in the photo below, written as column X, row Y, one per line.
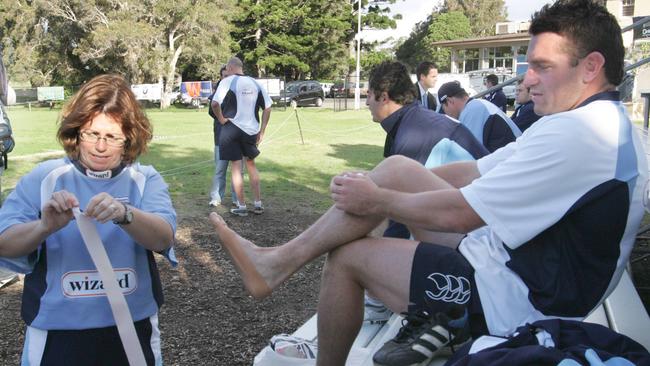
column 238, row 180
column 333, row 229
column 254, row 177
column 349, row 270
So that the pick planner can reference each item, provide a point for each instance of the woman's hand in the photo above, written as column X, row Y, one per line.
column 57, row 211
column 103, row 207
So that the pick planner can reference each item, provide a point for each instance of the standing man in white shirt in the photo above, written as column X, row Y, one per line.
column 236, row 104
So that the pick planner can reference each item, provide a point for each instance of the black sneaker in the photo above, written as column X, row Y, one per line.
column 420, row 339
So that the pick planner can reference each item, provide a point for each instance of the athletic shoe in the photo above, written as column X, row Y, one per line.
column 376, row 314
column 215, row 203
column 239, row 211
column 258, row 210
column 234, row 205
column 420, row 339
column 296, row 347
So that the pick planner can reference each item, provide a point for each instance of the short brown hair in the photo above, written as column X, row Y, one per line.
column 393, row 78
column 111, row 95
column 590, row 27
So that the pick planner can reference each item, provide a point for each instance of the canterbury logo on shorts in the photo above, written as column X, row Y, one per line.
column 449, row 288
column 89, row 283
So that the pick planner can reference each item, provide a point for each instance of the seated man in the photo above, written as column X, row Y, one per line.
column 545, row 224
column 524, row 115
column 430, row 138
column 497, row 97
column 413, row 131
column 487, row 122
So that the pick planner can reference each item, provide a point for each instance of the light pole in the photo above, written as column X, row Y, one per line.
column 357, row 92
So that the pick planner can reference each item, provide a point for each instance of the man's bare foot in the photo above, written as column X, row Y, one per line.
column 238, row 248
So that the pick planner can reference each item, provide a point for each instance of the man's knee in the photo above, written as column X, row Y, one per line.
column 347, row 257
column 393, row 167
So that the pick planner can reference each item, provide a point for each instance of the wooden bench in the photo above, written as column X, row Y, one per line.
column 622, row 311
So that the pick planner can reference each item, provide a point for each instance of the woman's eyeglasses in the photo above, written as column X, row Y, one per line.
column 93, row 137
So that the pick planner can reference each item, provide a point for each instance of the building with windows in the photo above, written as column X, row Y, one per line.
column 507, row 48
column 505, row 52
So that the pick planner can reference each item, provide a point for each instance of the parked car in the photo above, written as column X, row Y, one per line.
column 301, row 93
column 337, row 90
column 346, row 90
column 363, row 89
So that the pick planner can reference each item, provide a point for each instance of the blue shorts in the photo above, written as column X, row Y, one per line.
column 442, row 280
column 97, row 347
column 235, row 143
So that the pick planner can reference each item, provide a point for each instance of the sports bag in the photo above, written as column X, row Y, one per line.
column 7, row 142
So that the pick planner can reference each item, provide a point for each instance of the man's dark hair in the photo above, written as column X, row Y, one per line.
column 492, row 79
column 393, row 78
column 521, row 81
column 424, row 68
column 590, row 27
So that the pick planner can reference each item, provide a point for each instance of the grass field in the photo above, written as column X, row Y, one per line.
column 182, row 149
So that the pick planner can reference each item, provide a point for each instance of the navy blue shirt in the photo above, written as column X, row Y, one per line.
column 524, row 115
column 498, row 98
column 216, row 127
column 430, row 138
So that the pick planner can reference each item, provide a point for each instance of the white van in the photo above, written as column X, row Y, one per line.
column 326, row 88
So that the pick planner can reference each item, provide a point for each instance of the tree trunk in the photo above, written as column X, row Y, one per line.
column 258, row 36
column 171, row 71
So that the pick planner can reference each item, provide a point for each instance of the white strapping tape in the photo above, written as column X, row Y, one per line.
column 116, row 299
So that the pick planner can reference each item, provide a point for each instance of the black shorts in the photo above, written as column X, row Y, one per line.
column 442, row 280
column 99, row 346
column 235, row 143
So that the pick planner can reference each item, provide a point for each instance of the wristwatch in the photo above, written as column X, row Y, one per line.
column 128, row 216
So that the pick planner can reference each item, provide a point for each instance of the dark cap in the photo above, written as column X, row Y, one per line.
column 448, row 90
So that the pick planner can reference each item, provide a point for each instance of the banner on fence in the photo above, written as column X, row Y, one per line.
column 151, row 92
column 49, row 93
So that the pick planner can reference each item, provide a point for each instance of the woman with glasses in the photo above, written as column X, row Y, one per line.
column 69, row 321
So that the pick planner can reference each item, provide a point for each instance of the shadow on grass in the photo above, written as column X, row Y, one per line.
column 359, row 157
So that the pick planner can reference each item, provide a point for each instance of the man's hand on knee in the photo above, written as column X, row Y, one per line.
column 355, row 193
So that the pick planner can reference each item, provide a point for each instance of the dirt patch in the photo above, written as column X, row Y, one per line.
column 207, row 318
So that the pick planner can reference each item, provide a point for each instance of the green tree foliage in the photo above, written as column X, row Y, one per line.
column 291, row 38
column 438, row 27
column 298, row 39
column 66, row 42
column 17, row 34
column 482, row 14
column 373, row 58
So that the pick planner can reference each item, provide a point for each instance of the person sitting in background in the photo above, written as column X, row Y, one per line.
column 496, row 97
column 487, row 123
column 524, row 115
column 413, row 131
column 103, row 131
